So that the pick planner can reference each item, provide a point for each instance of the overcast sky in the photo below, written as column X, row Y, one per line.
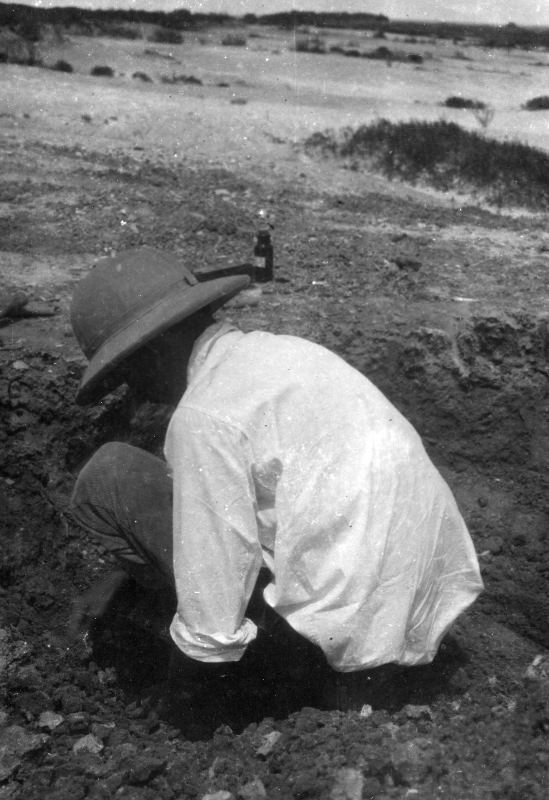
column 500, row 12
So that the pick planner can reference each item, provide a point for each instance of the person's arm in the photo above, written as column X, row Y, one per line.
column 217, row 554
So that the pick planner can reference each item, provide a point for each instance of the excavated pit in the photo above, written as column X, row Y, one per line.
column 477, row 390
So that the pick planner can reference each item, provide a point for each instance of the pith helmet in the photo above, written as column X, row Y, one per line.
column 129, row 299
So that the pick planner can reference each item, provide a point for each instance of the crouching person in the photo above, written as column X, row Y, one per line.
column 279, row 455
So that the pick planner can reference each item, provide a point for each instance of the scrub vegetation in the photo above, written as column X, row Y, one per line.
column 540, row 103
column 102, row 71
column 447, row 157
column 455, row 101
column 62, row 66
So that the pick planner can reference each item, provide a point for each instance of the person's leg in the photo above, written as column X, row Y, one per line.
column 123, row 498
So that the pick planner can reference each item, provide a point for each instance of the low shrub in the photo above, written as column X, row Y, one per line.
column 447, row 157
column 540, row 103
column 455, row 101
column 382, row 53
column 234, row 40
column 121, row 32
column 310, row 44
column 106, row 72
column 62, row 66
column 180, row 79
column 165, row 36
column 142, row 76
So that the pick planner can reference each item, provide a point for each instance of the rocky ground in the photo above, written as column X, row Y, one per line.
column 443, row 305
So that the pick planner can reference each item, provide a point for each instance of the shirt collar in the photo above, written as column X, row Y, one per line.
column 204, row 345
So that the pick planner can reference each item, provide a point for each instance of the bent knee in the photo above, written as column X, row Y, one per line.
column 111, row 460
column 112, row 455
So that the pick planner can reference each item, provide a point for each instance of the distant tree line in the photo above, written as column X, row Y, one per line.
column 507, row 36
column 15, row 14
column 27, row 21
column 320, row 19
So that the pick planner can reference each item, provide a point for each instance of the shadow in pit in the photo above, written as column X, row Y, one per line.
column 280, row 673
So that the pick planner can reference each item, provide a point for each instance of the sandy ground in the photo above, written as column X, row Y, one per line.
column 287, row 95
column 441, row 302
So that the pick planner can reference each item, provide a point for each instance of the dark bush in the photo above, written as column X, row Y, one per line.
column 463, row 102
column 415, row 58
column 166, row 36
column 448, row 157
column 234, row 40
column 382, row 53
column 142, row 76
column 103, row 71
column 540, row 103
column 310, row 44
column 180, row 79
column 62, row 66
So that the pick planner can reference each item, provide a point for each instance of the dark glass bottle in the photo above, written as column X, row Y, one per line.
column 263, row 256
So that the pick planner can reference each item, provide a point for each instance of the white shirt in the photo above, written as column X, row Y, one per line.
column 284, row 455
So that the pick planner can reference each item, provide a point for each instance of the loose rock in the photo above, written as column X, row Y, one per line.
column 254, row 790
column 269, row 741
column 348, row 785
column 50, row 720
column 89, row 744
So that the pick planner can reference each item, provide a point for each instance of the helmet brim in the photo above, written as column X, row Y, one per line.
column 101, row 376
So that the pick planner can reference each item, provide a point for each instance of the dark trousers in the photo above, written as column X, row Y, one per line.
column 123, row 498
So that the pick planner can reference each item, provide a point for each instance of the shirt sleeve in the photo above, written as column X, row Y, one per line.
column 217, row 554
